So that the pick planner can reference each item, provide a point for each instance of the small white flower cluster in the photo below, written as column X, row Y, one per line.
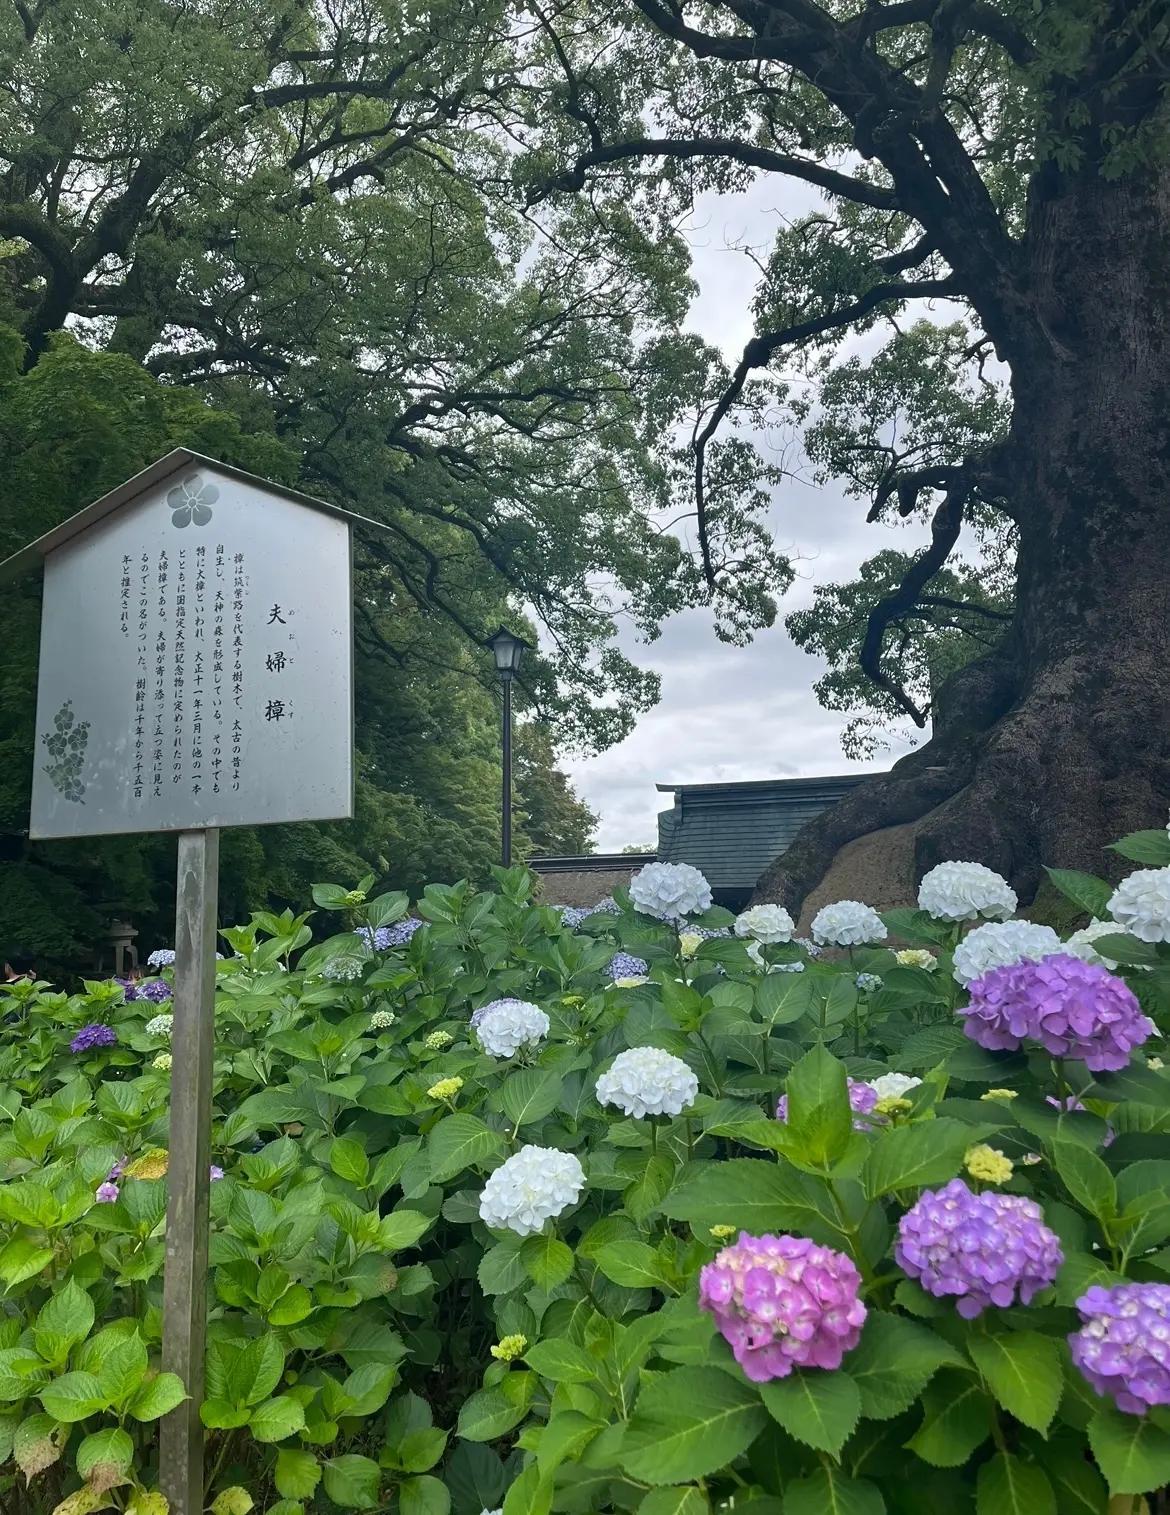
column 893, row 1085
column 765, row 923
column 160, row 1025
column 670, row 891
column 509, row 1025
column 343, row 970
column 381, row 1020
column 1001, row 943
column 848, row 923
column 535, row 1184
column 164, row 957
column 964, row 892
column 647, row 1081
column 1080, row 943
column 1141, row 904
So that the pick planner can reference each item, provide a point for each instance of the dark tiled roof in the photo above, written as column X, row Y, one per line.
column 591, row 862
column 731, row 832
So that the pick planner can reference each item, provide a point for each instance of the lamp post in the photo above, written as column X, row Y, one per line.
column 507, row 651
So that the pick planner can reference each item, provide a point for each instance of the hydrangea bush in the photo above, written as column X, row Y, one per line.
column 495, row 1229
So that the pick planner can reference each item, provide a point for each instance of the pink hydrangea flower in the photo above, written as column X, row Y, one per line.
column 783, row 1302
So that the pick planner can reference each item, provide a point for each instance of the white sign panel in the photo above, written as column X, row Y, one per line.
column 196, row 665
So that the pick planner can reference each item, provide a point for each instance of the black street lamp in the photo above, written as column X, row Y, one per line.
column 507, row 650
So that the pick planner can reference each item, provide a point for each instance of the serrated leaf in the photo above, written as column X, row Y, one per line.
column 632, row 1264
column 276, row 1419
column 123, row 1369
column 686, row 1500
column 297, row 1473
column 459, row 1142
column 1086, row 1178
column 689, row 1423
column 1149, row 847
column 1024, row 1371
column 348, row 1160
column 957, row 1420
column 1008, row 1486
column 232, row 1501
column 530, row 1095
column 1131, row 1451
column 894, row 1361
column 487, row 1415
column 157, row 1397
column 105, row 1458
column 423, row 1496
column 547, row 1260
column 562, row 1361
column 72, row 1397
column 913, row 1157
column 820, row 1409
column 829, row 1491
column 352, row 1481
column 1092, row 894
column 759, row 1197
column 36, row 1444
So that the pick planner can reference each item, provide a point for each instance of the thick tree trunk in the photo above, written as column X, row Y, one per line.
column 1060, row 744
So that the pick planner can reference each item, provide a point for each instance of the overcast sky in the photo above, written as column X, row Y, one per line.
column 731, row 712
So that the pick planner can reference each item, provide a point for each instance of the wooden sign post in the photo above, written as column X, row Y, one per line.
column 195, row 673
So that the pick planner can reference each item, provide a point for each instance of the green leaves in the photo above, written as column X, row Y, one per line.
column 894, row 1361
column 632, row 1264
column 276, row 1419
column 819, row 1117
column 1008, row 1486
column 752, row 1195
column 829, row 1491
column 1090, row 893
column 459, row 1142
column 297, row 1473
column 72, row 1397
column 1131, row 1451
column 819, row 1408
column 957, row 1420
column 352, row 1481
column 530, row 1095
column 1151, row 848
column 546, row 1260
column 912, row 1157
column 1024, row 1371
column 688, row 1423
column 1086, row 1178
column 487, row 1415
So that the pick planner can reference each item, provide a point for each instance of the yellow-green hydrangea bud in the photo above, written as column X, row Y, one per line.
column 689, row 943
column 988, row 1164
column 916, row 957
column 630, row 983
column 438, row 1041
column 508, row 1348
column 446, row 1088
column 1000, row 1094
column 353, row 898
column 721, row 1233
column 162, row 1062
column 1155, row 1063
column 893, row 1104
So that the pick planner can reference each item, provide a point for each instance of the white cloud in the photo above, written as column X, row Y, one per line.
column 730, row 713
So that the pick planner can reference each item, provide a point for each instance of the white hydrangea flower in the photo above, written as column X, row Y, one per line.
column 535, row 1184
column 1141, row 904
column 1080, row 943
column 160, row 1025
column 766, row 923
column 893, row 1085
column 648, row 1081
column 509, row 1025
column 847, row 923
column 1000, row 943
column 966, row 891
column 381, row 1020
column 670, row 891
column 164, row 957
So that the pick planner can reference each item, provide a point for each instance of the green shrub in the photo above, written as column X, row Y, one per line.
column 372, row 1344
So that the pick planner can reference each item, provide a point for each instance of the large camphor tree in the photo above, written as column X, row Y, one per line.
column 1008, row 157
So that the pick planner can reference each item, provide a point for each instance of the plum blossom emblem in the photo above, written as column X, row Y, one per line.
column 192, row 501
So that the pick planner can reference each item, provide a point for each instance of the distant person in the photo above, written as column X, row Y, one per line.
column 17, row 966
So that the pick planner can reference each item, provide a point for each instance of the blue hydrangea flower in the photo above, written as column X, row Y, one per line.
column 625, row 965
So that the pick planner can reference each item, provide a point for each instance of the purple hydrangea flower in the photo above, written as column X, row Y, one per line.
column 1072, row 1008
column 982, row 1248
column 158, row 991
column 386, row 937
column 94, row 1035
column 862, row 1099
column 129, row 990
column 215, row 1173
column 625, row 965
column 782, row 1302
column 572, row 916
column 107, row 1193
column 1123, row 1347
column 117, row 1170
column 495, row 1004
